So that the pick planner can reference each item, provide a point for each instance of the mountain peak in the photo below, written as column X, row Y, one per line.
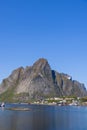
column 42, row 66
column 40, row 63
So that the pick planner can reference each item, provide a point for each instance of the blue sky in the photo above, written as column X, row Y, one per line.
column 53, row 29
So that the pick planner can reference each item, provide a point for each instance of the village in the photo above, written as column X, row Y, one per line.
column 63, row 101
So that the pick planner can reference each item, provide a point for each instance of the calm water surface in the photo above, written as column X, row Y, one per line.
column 44, row 118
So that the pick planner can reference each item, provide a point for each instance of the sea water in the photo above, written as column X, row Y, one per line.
column 43, row 117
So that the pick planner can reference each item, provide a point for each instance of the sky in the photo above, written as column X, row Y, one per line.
column 52, row 29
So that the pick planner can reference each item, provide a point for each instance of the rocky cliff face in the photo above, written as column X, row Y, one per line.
column 38, row 82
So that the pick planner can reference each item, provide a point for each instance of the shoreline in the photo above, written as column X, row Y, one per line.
column 81, row 105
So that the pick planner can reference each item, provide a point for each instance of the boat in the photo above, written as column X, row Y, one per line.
column 2, row 104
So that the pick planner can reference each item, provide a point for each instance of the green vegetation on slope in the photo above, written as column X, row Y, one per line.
column 8, row 95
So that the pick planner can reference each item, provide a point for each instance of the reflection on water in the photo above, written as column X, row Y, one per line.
column 44, row 118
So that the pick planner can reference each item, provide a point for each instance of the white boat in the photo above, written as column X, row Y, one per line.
column 3, row 104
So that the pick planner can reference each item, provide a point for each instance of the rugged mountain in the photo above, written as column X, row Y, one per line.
column 37, row 82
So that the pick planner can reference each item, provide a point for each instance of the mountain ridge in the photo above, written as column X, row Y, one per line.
column 39, row 81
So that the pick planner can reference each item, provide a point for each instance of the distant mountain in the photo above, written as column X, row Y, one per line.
column 38, row 82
